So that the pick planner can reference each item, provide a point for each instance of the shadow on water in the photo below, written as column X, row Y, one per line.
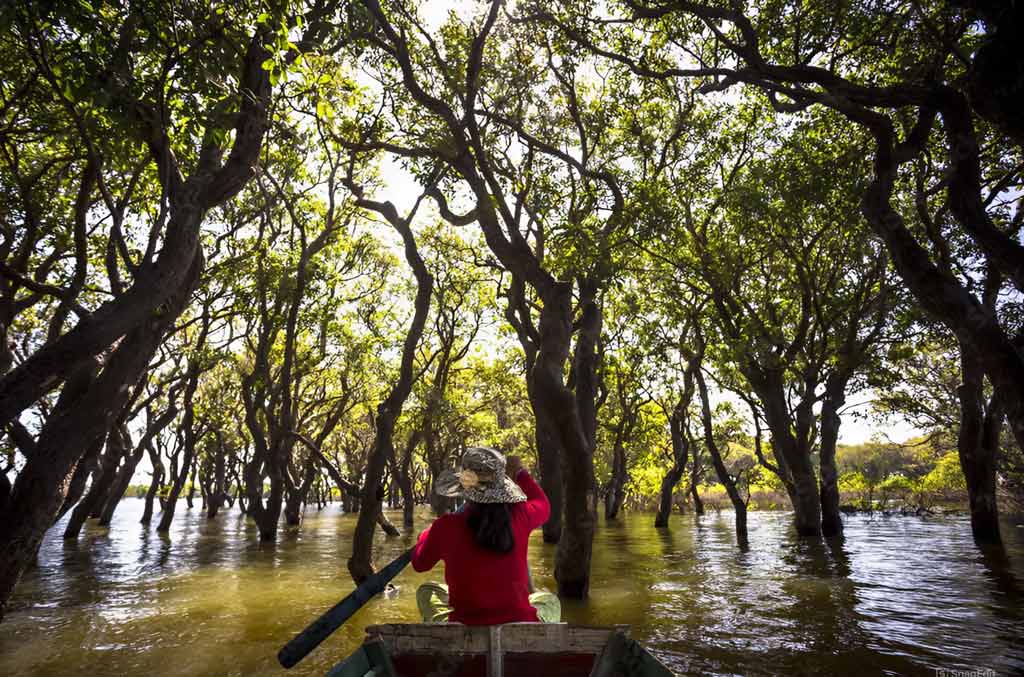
column 894, row 596
column 998, row 569
column 1007, row 597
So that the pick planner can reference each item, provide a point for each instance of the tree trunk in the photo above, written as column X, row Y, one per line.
column 192, row 484
column 265, row 514
column 728, row 481
column 293, row 510
column 124, row 475
column 680, row 452
column 978, row 446
column 835, row 397
column 218, row 493
column 386, row 525
column 108, row 479
column 84, row 412
column 403, row 479
column 408, row 505
column 668, row 486
column 120, row 485
column 614, row 493
column 298, row 495
column 86, row 466
column 550, row 466
column 188, row 426
column 170, row 502
column 154, row 487
column 546, row 437
column 793, row 454
column 571, row 414
column 360, row 564
column 698, row 505
column 100, row 488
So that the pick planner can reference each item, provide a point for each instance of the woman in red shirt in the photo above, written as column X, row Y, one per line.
column 484, row 546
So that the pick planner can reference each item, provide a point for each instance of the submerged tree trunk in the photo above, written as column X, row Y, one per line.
column 298, row 495
column 386, row 526
column 88, row 465
column 978, row 447
column 739, row 505
column 408, row 505
column 101, row 484
column 154, row 487
column 831, row 521
column 665, row 493
column 698, row 504
column 615, row 494
column 124, row 476
column 615, row 489
column 189, row 431
column 360, row 564
column 265, row 512
column 696, row 473
column 120, row 485
column 218, row 493
column 575, row 417
column 192, row 485
column 677, row 424
column 403, row 478
column 293, row 510
column 792, row 452
column 546, row 437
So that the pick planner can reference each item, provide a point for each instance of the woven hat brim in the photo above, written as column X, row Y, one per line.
column 505, row 491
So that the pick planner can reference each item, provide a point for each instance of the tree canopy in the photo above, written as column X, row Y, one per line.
column 282, row 251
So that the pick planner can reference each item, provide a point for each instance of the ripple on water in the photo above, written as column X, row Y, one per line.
column 897, row 596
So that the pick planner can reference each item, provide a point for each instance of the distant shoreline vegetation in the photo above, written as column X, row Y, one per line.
column 912, row 477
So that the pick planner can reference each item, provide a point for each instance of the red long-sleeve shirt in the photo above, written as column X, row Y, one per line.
column 485, row 587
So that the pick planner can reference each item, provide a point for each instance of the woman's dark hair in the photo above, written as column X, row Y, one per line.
column 491, row 525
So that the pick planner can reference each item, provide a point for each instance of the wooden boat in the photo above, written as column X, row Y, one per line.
column 531, row 649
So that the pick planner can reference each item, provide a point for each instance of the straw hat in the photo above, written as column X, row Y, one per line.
column 481, row 479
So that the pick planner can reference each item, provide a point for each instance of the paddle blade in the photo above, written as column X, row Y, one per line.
column 310, row 638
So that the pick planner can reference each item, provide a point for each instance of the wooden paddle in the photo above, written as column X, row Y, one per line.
column 307, row 640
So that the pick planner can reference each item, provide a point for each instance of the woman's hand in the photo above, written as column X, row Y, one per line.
column 513, row 464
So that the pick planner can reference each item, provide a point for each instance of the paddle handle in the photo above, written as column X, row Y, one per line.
column 307, row 640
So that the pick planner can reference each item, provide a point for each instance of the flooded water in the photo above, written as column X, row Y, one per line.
column 900, row 595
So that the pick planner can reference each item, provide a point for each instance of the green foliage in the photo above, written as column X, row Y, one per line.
column 698, row 208
column 897, row 487
column 913, row 473
column 946, row 478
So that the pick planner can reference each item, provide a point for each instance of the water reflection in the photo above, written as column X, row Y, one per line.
column 900, row 595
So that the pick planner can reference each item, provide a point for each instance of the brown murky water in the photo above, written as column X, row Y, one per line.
column 900, row 595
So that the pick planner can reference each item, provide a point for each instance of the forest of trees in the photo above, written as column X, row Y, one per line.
column 288, row 250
